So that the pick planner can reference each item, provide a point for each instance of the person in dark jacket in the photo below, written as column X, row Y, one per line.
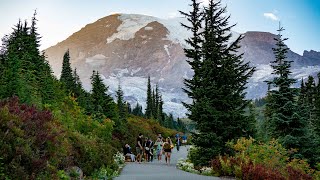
column 127, row 152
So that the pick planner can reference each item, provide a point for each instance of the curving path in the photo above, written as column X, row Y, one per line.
column 160, row 171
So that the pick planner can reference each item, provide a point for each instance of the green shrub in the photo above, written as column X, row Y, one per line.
column 90, row 153
column 62, row 175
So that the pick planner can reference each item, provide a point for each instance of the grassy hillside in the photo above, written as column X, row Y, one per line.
column 136, row 125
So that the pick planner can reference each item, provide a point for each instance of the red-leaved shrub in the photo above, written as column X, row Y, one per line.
column 29, row 139
column 260, row 172
column 295, row 174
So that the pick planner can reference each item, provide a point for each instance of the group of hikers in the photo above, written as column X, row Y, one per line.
column 145, row 148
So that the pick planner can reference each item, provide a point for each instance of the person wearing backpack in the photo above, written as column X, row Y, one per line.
column 167, row 146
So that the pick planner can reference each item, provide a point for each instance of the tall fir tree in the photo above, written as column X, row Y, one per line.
column 287, row 122
column 217, row 87
column 160, row 113
column 77, row 83
column 149, row 100
column 83, row 97
column 194, row 53
column 67, row 77
column 281, row 94
column 102, row 102
column 309, row 96
column 129, row 108
column 122, row 108
column 157, row 97
column 154, row 105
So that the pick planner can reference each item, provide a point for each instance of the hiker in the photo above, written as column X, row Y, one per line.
column 146, row 146
column 158, row 145
column 160, row 136
column 167, row 146
column 127, row 152
column 184, row 139
column 178, row 143
column 151, row 149
column 139, row 148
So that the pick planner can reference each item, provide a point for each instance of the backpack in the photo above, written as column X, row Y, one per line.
column 166, row 146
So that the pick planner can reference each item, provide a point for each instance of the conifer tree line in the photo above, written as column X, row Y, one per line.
column 100, row 104
column 26, row 73
column 154, row 109
column 24, row 70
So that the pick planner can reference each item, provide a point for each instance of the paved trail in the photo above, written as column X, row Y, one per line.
column 160, row 171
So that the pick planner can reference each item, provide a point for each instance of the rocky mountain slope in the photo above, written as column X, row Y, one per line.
column 127, row 48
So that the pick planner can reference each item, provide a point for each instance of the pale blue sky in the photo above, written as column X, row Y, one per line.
column 58, row 19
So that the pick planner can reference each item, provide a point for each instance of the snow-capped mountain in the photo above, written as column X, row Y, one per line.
column 127, row 48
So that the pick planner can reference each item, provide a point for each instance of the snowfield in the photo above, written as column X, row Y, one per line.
column 132, row 23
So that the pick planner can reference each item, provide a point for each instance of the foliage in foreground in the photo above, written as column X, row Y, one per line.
column 36, row 144
column 253, row 160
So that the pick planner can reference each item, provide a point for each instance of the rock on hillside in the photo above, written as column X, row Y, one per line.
column 127, row 48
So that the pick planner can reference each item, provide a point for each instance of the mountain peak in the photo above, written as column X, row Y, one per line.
column 260, row 36
column 314, row 55
column 127, row 48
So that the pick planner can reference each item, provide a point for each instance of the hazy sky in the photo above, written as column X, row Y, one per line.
column 58, row 19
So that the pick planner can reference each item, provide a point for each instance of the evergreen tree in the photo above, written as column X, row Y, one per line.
column 102, row 102
column 316, row 123
column 154, row 105
column 67, row 77
column 169, row 121
column 20, row 73
column 194, row 53
column 308, row 93
column 251, row 129
column 122, row 108
column 129, row 110
column 77, row 83
column 160, row 113
column 287, row 122
column 282, row 98
column 302, row 93
column 181, row 126
column 26, row 73
column 149, row 101
column 83, row 97
column 137, row 110
column 48, row 85
column 51, row 92
column 217, row 87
